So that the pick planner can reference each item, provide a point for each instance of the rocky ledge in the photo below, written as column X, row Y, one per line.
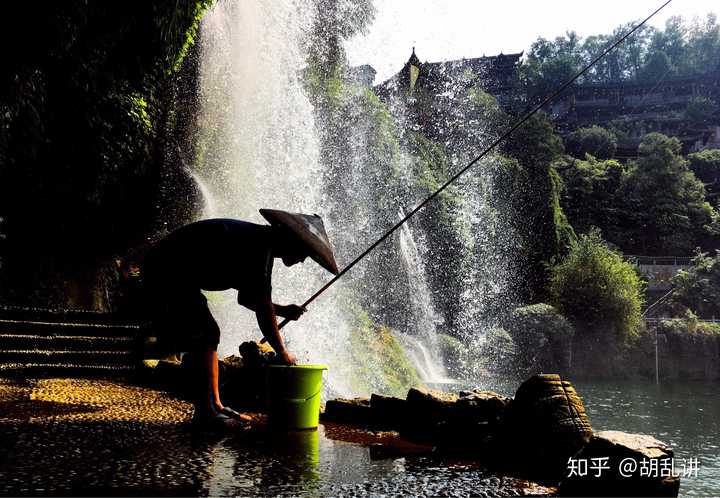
column 542, row 433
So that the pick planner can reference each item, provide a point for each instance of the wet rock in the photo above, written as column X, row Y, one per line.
column 429, row 412
column 388, row 411
column 481, row 406
column 473, row 422
column 632, row 465
column 544, row 426
column 232, row 361
column 431, row 403
column 349, row 411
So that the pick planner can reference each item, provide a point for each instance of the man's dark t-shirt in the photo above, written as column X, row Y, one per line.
column 211, row 255
column 215, row 255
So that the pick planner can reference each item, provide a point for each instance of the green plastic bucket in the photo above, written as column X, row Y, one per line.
column 293, row 395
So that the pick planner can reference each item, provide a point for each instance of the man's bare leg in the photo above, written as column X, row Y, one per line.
column 211, row 396
column 211, row 399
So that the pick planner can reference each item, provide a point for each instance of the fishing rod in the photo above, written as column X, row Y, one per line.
column 517, row 125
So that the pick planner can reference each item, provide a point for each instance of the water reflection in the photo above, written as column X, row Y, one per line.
column 308, row 463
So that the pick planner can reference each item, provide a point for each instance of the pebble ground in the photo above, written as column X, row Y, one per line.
column 94, row 437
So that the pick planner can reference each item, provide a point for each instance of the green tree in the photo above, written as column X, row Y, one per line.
column 657, row 68
column 704, row 44
column 535, row 189
column 542, row 338
column 590, row 197
column 672, row 44
column 549, row 64
column 698, row 288
column 597, row 289
column 665, row 202
column 594, row 140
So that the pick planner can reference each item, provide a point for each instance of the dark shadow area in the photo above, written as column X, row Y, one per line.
column 26, row 409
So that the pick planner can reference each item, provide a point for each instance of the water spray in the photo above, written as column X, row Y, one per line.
column 482, row 154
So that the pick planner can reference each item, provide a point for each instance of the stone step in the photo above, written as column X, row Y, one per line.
column 60, row 315
column 30, row 370
column 40, row 327
column 93, row 357
column 65, row 342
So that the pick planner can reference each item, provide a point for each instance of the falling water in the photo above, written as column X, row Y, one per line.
column 258, row 148
column 422, row 345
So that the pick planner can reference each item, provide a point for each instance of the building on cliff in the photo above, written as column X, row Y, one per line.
column 436, row 98
column 634, row 109
column 433, row 96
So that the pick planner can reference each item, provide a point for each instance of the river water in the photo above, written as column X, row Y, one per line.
column 686, row 416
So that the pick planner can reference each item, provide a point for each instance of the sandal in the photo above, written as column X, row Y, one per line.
column 215, row 422
column 235, row 415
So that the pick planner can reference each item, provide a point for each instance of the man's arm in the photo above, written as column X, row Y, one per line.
column 267, row 320
column 291, row 311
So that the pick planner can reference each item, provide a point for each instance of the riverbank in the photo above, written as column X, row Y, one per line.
column 80, row 437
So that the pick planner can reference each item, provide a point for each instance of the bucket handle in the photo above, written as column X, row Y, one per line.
column 300, row 400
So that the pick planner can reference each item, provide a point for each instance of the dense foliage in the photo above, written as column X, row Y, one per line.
column 591, row 197
column 665, row 203
column 542, row 338
column 684, row 48
column 597, row 289
column 83, row 116
column 594, row 140
column 535, row 189
column 698, row 288
column 706, row 166
column 653, row 205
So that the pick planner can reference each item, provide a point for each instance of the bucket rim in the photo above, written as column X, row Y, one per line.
column 315, row 366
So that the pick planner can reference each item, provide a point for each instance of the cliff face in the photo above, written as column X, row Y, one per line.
column 686, row 352
column 689, row 350
column 87, row 106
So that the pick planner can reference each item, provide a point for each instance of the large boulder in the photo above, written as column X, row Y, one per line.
column 354, row 411
column 388, row 412
column 430, row 410
column 616, row 463
column 481, row 406
column 544, row 426
column 472, row 423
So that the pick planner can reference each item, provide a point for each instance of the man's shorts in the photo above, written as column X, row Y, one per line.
column 182, row 321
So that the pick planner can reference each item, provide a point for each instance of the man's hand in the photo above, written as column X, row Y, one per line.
column 287, row 357
column 293, row 311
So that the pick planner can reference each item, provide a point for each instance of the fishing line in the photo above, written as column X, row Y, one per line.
column 480, row 156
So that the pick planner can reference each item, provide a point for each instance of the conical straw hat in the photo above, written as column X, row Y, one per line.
column 310, row 229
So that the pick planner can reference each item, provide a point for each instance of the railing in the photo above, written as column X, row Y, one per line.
column 659, row 260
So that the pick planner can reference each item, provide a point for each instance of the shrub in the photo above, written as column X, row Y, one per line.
column 542, row 337
column 698, row 288
column 594, row 286
column 595, row 140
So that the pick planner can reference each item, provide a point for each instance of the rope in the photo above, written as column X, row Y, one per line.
column 480, row 156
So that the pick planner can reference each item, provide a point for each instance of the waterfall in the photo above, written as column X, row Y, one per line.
column 259, row 146
column 422, row 345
